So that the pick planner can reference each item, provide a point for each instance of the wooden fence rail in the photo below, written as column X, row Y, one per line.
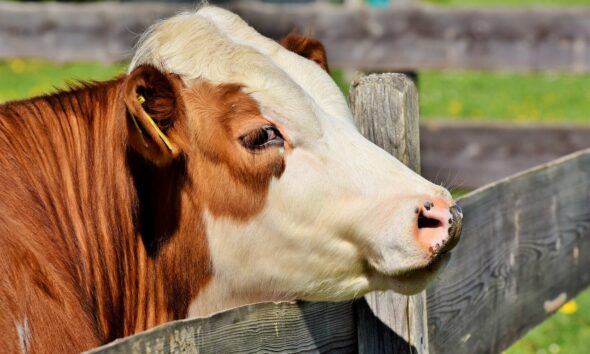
column 404, row 38
column 525, row 251
column 470, row 155
column 263, row 328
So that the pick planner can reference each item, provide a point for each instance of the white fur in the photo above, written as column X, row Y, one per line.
column 340, row 221
column 24, row 335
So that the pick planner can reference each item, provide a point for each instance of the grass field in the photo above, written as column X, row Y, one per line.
column 566, row 332
column 548, row 98
column 24, row 78
column 465, row 96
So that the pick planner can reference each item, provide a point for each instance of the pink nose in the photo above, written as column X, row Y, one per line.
column 439, row 225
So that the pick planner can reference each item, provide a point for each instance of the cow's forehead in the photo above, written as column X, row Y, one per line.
column 218, row 46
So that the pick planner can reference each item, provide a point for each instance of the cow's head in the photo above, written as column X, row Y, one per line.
column 294, row 202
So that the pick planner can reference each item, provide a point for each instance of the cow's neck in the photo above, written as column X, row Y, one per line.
column 173, row 243
column 156, row 244
column 219, row 295
column 134, row 265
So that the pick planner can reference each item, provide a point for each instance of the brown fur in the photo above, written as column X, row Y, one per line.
column 101, row 236
column 307, row 47
column 101, row 230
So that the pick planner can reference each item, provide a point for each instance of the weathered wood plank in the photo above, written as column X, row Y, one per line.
column 404, row 38
column 385, row 108
column 386, row 111
column 63, row 32
column 470, row 155
column 525, row 250
column 410, row 38
column 263, row 328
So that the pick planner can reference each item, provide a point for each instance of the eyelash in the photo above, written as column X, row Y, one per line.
column 262, row 138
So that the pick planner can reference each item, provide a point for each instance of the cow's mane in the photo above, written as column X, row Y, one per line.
column 73, row 203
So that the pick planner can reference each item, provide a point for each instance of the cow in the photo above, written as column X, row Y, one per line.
column 222, row 170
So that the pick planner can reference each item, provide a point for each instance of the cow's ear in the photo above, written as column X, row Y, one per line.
column 155, row 114
column 307, row 47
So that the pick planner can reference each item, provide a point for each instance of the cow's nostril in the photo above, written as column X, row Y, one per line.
column 439, row 226
column 426, row 222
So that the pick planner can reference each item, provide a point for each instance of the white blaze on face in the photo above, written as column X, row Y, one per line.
column 341, row 219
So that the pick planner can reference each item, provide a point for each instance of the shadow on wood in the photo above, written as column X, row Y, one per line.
column 376, row 336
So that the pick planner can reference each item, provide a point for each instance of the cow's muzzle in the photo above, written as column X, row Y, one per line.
column 439, row 226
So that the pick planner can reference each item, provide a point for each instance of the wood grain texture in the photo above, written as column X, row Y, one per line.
column 385, row 109
column 401, row 38
column 525, row 250
column 103, row 32
column 470, row 155
column 264, row 328
column 411, row 38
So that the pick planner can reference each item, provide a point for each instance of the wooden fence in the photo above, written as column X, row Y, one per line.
column 524, row 252
column 468, row 155
column 401, row 38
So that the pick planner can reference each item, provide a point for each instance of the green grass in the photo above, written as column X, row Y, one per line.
column 493, row 96
column 25, row 78
column 562, row 333
column 548, row 98
column 453, row 95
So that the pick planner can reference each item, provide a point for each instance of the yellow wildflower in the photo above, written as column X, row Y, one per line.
column 455, row 108
column 17, row 65
column 569, row 308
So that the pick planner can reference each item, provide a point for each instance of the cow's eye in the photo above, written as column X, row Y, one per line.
column 262, row 138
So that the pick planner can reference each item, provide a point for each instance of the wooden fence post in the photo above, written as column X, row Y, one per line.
column 385, row 108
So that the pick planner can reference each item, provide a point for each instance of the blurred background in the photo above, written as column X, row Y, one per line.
column 503, row 84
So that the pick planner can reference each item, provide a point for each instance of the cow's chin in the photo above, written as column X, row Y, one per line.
column 407, row 283
column 412, row 281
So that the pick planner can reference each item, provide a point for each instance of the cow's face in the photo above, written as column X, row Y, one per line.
column 295, row 203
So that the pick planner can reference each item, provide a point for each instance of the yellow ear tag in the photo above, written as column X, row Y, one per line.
column 145, row 144
column 163, row 136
